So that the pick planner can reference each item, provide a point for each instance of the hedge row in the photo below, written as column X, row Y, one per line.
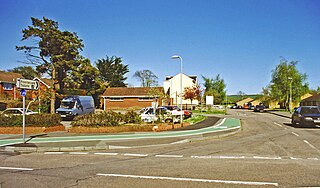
column 109, row 118
column 37, row 120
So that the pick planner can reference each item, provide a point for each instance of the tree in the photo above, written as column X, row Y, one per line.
column 26, row 71
column 192, row 93
column 216, row 88
column 87, row 78
column 146, row 77
column 112, row 71
column 284, row 75
column 56, row 52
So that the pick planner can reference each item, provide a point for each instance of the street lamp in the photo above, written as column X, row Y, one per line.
column 179, row 57
column 290, row 93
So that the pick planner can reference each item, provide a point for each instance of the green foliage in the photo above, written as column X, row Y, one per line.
column 26, row 71
column 285, row 75
column 109, row 118
column 146, row 77
column 216, row 88
column 195, row 119
column 112, row 71
column 37, row 120
column 55, row 53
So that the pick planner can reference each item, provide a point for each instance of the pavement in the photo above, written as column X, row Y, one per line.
column 284, row 114
column 212, row 127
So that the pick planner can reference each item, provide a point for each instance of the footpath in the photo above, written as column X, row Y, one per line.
column 209, row 128
column 284, row 114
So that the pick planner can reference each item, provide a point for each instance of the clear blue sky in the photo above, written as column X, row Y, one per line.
column 242, row 40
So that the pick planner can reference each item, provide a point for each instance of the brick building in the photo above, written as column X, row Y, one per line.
column 8, row 89
column 129, row 97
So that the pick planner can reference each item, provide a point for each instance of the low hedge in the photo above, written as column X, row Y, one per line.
column 109, row 118
column 36, row 120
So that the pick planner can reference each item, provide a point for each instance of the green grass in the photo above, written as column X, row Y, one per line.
column 195, row 119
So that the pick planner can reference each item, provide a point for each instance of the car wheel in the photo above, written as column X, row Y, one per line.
column 294, row 124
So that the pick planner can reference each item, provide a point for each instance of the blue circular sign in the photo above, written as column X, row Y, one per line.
column 23, row 92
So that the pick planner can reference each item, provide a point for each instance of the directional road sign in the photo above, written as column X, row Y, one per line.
column 23, row 92
column 27, row 84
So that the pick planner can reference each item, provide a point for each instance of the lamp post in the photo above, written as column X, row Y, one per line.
column 179, row 57
column 290, row 94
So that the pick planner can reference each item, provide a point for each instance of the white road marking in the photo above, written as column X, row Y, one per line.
column 135, row 155
column 191, row 179
column 315, row 159
column 231, row 157
column 277, row 124
column 312, row 146
column 271, row 158
column 294, row 158
column 295, row 134
column 112, row 154
column 170, row 156
column 14, row 168
column 54, row 153
column 79, row 153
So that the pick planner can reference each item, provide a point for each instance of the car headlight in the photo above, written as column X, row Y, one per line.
column 308, row 118
column 70, row 112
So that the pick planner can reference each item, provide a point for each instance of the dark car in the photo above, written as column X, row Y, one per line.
column 306, row 116
column 259, row 108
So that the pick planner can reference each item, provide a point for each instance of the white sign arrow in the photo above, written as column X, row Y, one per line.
column 27, row 84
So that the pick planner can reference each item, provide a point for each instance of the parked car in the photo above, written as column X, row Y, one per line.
column 177, row 111
column 259, row 108
column 17, row 111
column 149, row 115
column 306, row 116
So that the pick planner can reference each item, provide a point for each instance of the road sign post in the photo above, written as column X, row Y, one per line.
column 25, row 84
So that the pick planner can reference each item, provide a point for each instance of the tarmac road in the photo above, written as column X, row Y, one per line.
column 268, row 152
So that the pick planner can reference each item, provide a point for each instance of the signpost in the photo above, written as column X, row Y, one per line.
column 25, row 84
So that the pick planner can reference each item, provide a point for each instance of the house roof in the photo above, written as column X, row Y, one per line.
column 129, row 91
column 246, row 100
column 315, row 97
column 45, row 81
column 9, row 77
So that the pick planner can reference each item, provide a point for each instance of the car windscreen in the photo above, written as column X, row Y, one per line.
column 311, row 110
column 68, row 105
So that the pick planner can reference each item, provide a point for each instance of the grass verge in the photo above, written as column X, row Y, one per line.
column 195, row 119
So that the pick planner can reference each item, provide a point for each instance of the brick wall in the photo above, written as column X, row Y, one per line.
column 127, row 103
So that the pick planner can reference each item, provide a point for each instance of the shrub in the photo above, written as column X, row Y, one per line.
column 109, row 118
column 41, row 120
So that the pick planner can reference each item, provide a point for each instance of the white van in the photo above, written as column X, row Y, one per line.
column 72, row 106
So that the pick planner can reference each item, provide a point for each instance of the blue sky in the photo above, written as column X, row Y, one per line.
column 242, row 40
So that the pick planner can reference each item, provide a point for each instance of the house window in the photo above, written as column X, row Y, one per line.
column 116, row 98
column 145, row 99
column 7, row 86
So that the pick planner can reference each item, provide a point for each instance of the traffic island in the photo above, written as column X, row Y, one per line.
column 123, row 140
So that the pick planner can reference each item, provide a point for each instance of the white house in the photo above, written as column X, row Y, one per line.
column 171, row 86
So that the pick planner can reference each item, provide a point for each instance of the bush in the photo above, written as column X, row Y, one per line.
column 36, row 120
column 109, row 118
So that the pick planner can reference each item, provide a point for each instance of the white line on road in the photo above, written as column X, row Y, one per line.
column 294, row 158
column 14, row 168
column 277, row 124
column 170, row 156
column 231, row 157
column 54, row 153
column 271, row 158
column 295, row 134
column 191, row 179
column 135, row 155
column 112, row 154
column 312, row 146
column 79, row 153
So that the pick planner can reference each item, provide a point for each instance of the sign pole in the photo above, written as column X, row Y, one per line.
column 24, row 120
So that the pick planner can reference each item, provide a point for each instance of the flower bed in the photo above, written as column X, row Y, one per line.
column 31, row 130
